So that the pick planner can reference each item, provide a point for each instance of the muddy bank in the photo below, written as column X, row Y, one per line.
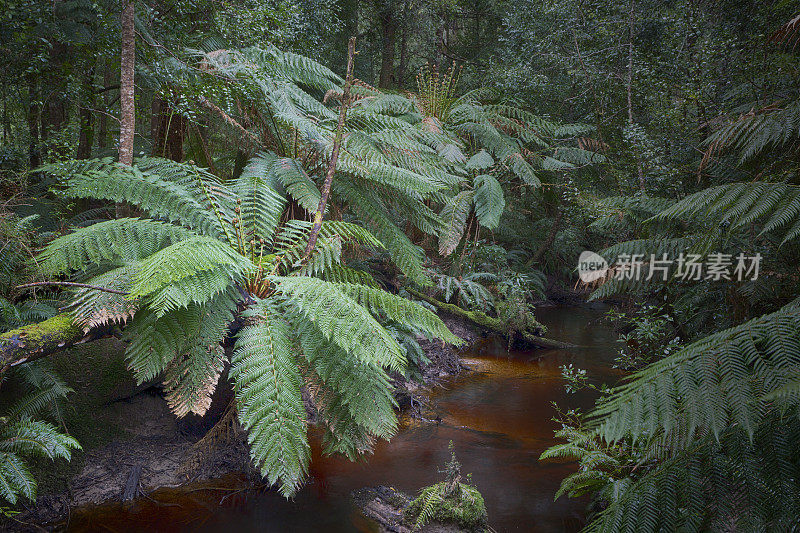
column 133, row 445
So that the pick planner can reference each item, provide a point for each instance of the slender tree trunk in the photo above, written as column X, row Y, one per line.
column 33, row 113
column 86, row 118
column 548, row 242
column 127, row 105
column 6, row 121
column 403, row 66
column 102, row 127
column 337, row 142
column 170, row 130
column 639, row 168
column 389, row 33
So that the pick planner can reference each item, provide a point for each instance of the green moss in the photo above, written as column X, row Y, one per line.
column 60, row 325
column 465, row 508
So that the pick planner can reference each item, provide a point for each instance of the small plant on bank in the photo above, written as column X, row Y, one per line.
column 450, row 501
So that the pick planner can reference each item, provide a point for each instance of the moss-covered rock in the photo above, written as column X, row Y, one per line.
column 464, row 507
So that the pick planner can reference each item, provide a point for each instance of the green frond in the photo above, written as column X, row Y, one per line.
column 455, row 214
column 267, row 385
column 342, row 320
column 354, row 396
column 297, row 183
column 407, row 256
column 735, row 206
column 754, row 133
column 184, row 259
column 15, row 479
column 338, row 273
column 121, row 241
column 36, row 438
column 709, row 385
column 261, row 206
column 91, row 308
column 489, row 201
column 480, row 161
column 400, row 310
column 184, row 198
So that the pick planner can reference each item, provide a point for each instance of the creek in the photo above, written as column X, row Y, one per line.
column 498, row 415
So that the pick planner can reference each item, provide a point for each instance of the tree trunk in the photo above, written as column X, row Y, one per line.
column 102, row 127
column 548, row 242
column 337, row 142
column 127, row 105
column 639, row 167
column 170, row 132
column 34, row 341
column 86, row 116
column 495, row 325
column 403, row 66
column 33, row 113
column 389, row 30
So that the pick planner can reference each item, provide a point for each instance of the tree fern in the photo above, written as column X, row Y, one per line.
column 181, row 282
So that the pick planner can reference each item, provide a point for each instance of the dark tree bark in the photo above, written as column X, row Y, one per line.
column 102, row 127
column 33, row 112
column 169, row 132
column 389, row 36
column 126, row 87
column 86, row 116
column 639, row 166
column 403, row 65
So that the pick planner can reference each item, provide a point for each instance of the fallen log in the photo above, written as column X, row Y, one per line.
column 495, row 325
column 35, row 341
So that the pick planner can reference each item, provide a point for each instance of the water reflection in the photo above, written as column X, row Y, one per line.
column 499, row 418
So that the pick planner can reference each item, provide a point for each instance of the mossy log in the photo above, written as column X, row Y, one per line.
column 34, row 341
column 495, row 325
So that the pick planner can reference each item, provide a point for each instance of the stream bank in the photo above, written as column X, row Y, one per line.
column 498, row 415
column 130, row 438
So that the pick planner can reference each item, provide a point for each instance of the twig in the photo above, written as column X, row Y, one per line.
column 326, row 187
column 71, row 284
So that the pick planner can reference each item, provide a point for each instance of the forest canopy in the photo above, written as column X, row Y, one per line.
column 285, row 199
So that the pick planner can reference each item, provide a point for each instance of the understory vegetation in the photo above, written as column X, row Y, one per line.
column 284, row 199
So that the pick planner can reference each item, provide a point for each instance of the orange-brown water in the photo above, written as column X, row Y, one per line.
column 498, row 417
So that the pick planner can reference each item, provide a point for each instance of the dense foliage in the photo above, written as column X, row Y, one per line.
column 483, row 147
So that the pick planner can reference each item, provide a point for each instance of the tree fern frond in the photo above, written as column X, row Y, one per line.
column 489, row 201
column 125, row 240
column 455, row 214
column 709, row 385
column 171, row 200
column 92, row 308
column 184, row 259
column 342, row 320
column 400, row 310
column 269, row 404
column 738, row 205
